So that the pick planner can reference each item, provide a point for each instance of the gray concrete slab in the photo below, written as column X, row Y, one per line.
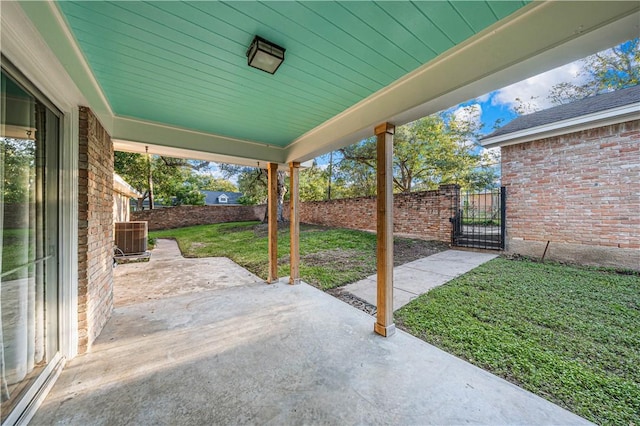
column 276, row 355
column 415, row 278
column 168, row 273
column 464, row 256
column 366, row 290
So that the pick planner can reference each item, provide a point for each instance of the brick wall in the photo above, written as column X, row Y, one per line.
column 580, row 191
column 180, row 216
column 95, row 229
column 425, row 214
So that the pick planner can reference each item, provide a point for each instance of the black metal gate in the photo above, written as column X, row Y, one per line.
column 479, row 221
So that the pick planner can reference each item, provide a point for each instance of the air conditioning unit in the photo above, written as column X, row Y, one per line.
column 131, row 237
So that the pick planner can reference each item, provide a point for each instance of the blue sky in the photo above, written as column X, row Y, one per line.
column 499, row 103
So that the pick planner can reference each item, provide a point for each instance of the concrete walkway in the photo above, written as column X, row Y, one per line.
column 168, row 274
column 415, row 278
column 252, row 353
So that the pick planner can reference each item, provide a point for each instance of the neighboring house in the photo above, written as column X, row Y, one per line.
column 572, row 175
column 221, row 197
column 123, row 193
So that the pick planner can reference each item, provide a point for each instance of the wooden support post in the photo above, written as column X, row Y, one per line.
column 384, row 319
column 272, row 206
column 294, row 222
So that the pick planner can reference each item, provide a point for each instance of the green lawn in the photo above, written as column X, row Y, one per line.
column 329, row 257
column 568, row 334
column 17, row 248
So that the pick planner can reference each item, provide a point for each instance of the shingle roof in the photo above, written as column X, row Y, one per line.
column 211, row 197
column 575, row 109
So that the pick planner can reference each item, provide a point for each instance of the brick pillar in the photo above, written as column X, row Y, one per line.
column 95, row 229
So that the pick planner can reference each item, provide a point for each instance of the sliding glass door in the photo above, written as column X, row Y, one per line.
column 29, row 135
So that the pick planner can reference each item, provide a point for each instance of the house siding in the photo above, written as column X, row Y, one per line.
column 121, row 207
column 580, row 192
column 95, row 229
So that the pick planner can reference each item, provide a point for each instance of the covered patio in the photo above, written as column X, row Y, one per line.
column 172, row 78
column 222, row 348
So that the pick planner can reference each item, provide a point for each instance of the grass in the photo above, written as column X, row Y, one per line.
column 329, row 257
column 568, row 334
column 481, row 222
column 17, row 249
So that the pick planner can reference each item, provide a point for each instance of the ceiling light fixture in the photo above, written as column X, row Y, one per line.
column 264, row 55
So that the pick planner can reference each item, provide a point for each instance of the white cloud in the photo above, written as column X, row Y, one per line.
column 491, row 156
column 484, row 98
column 537, row 86
column 470, row 113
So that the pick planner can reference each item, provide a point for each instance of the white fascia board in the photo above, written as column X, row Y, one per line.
column 538, row 37
column 572, row 125
column 63, row 48
column 134, row 135
column 122, row 187
column 25, row 47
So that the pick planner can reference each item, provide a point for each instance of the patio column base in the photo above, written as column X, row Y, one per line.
column 387, row 331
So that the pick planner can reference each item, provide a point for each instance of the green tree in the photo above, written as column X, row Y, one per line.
column 253, row 183
column 613, row 69
column 313, row 183
column 17, row 157
column 428, row 152
column 355, row 172
column 207, row 182
column 174, row 179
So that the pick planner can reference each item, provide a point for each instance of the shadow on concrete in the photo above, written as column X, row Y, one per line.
column 274, row 354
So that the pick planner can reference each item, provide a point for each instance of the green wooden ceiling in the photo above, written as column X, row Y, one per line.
column 184, row 64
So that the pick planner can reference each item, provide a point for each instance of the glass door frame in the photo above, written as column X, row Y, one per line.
column 33, row 396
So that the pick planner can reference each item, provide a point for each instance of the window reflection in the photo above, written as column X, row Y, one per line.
column 28, row 138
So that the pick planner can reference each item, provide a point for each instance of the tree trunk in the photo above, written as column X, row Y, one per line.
column 282, row 190
column 150, row 180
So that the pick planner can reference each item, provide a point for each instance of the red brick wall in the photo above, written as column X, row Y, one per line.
column 95, row 229
column 581, row 188
column 180, row 216
column 425, row 214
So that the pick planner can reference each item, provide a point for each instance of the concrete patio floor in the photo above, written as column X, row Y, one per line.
column 252, row 353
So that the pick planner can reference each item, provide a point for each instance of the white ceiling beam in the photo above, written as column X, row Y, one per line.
column 133, row 135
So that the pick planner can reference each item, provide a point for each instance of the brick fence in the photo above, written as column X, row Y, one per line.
column 181, row 216
column 425, row 214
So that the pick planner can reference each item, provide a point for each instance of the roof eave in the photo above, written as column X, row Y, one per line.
column 563, row 127
column 121, row 186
